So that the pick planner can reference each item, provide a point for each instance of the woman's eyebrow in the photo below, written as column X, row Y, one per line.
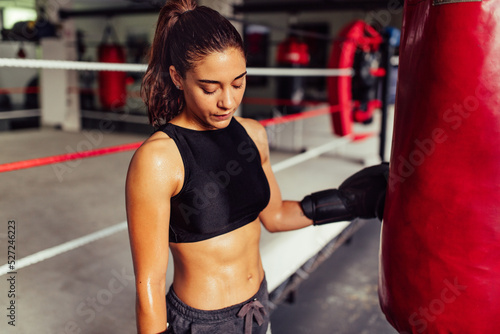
column 217, row 82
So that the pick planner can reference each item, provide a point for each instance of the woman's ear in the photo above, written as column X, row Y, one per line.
column 176, row 78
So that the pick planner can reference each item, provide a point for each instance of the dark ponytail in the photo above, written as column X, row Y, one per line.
column 185, row 34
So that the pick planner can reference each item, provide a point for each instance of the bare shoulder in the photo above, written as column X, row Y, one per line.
column 255, row 130
column 157, row 149
column 158, row 161
column 258, row 134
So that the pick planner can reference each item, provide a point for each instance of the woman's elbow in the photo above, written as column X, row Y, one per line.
column 271, row 225
column 271, row 229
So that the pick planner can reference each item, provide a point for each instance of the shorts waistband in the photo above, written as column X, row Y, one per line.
column 192, row 313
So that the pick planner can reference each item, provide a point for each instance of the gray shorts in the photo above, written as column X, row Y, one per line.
column 249, row 317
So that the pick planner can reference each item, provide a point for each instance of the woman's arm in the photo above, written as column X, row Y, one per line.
column 361, row 195
column 151, row 181
column 279, row 215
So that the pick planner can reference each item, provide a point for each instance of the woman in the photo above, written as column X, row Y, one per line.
column 202, row 184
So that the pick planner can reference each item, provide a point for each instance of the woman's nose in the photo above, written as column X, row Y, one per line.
column 226, row 100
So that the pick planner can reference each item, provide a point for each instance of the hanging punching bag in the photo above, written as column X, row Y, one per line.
column 292, row 53
column 112, row 84
column 440, row 246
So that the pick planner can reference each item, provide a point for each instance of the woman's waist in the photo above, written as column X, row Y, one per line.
column 223, row 312
column 212, row 284
column 218, row 272
column 216, row 291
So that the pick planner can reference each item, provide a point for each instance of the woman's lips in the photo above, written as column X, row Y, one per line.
column 223, row 116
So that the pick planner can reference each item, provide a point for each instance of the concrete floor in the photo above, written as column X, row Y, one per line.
column 90, row 289
column 54, row 204
column 340, row 297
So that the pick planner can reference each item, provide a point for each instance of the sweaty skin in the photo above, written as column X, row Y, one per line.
column 213, row 273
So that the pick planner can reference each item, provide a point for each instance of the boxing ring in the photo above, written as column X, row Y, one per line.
column 287, row 257
column 439, row 243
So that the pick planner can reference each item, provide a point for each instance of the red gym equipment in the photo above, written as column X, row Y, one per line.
column 440, row 246
column 112, row 84
column 293, row 53
column 355, row 47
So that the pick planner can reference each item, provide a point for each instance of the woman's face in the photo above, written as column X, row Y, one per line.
column 213, row 89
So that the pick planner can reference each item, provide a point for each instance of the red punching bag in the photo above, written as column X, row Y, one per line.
column 357, row 39
column 112, row 84
column 292, row 53
column 440, row 246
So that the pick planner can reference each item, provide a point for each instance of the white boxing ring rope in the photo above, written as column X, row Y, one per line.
column 93, row 66
column 70, row 245
column 311, row 153
column 71, row 65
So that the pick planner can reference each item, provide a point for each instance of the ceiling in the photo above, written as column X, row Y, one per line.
column 260, row 6
column 248, row 4
column 115, row 3
column 110, row 7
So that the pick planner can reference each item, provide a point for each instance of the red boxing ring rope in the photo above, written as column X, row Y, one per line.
column 277, row 102
column 8, row 167
column 298, row 116
column 20, row 90
column 12, row 166
column 246, row 100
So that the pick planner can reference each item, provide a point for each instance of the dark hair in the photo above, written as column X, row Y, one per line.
column 185, row 33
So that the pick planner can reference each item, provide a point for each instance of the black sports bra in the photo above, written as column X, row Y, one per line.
column 224, row 184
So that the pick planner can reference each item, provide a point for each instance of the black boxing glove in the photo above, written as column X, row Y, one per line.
column 362, row 195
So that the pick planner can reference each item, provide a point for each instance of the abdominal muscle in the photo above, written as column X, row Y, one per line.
column 221, row 271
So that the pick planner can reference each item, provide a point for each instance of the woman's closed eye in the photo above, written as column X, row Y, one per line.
column 208, row 92
column 212, row 91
